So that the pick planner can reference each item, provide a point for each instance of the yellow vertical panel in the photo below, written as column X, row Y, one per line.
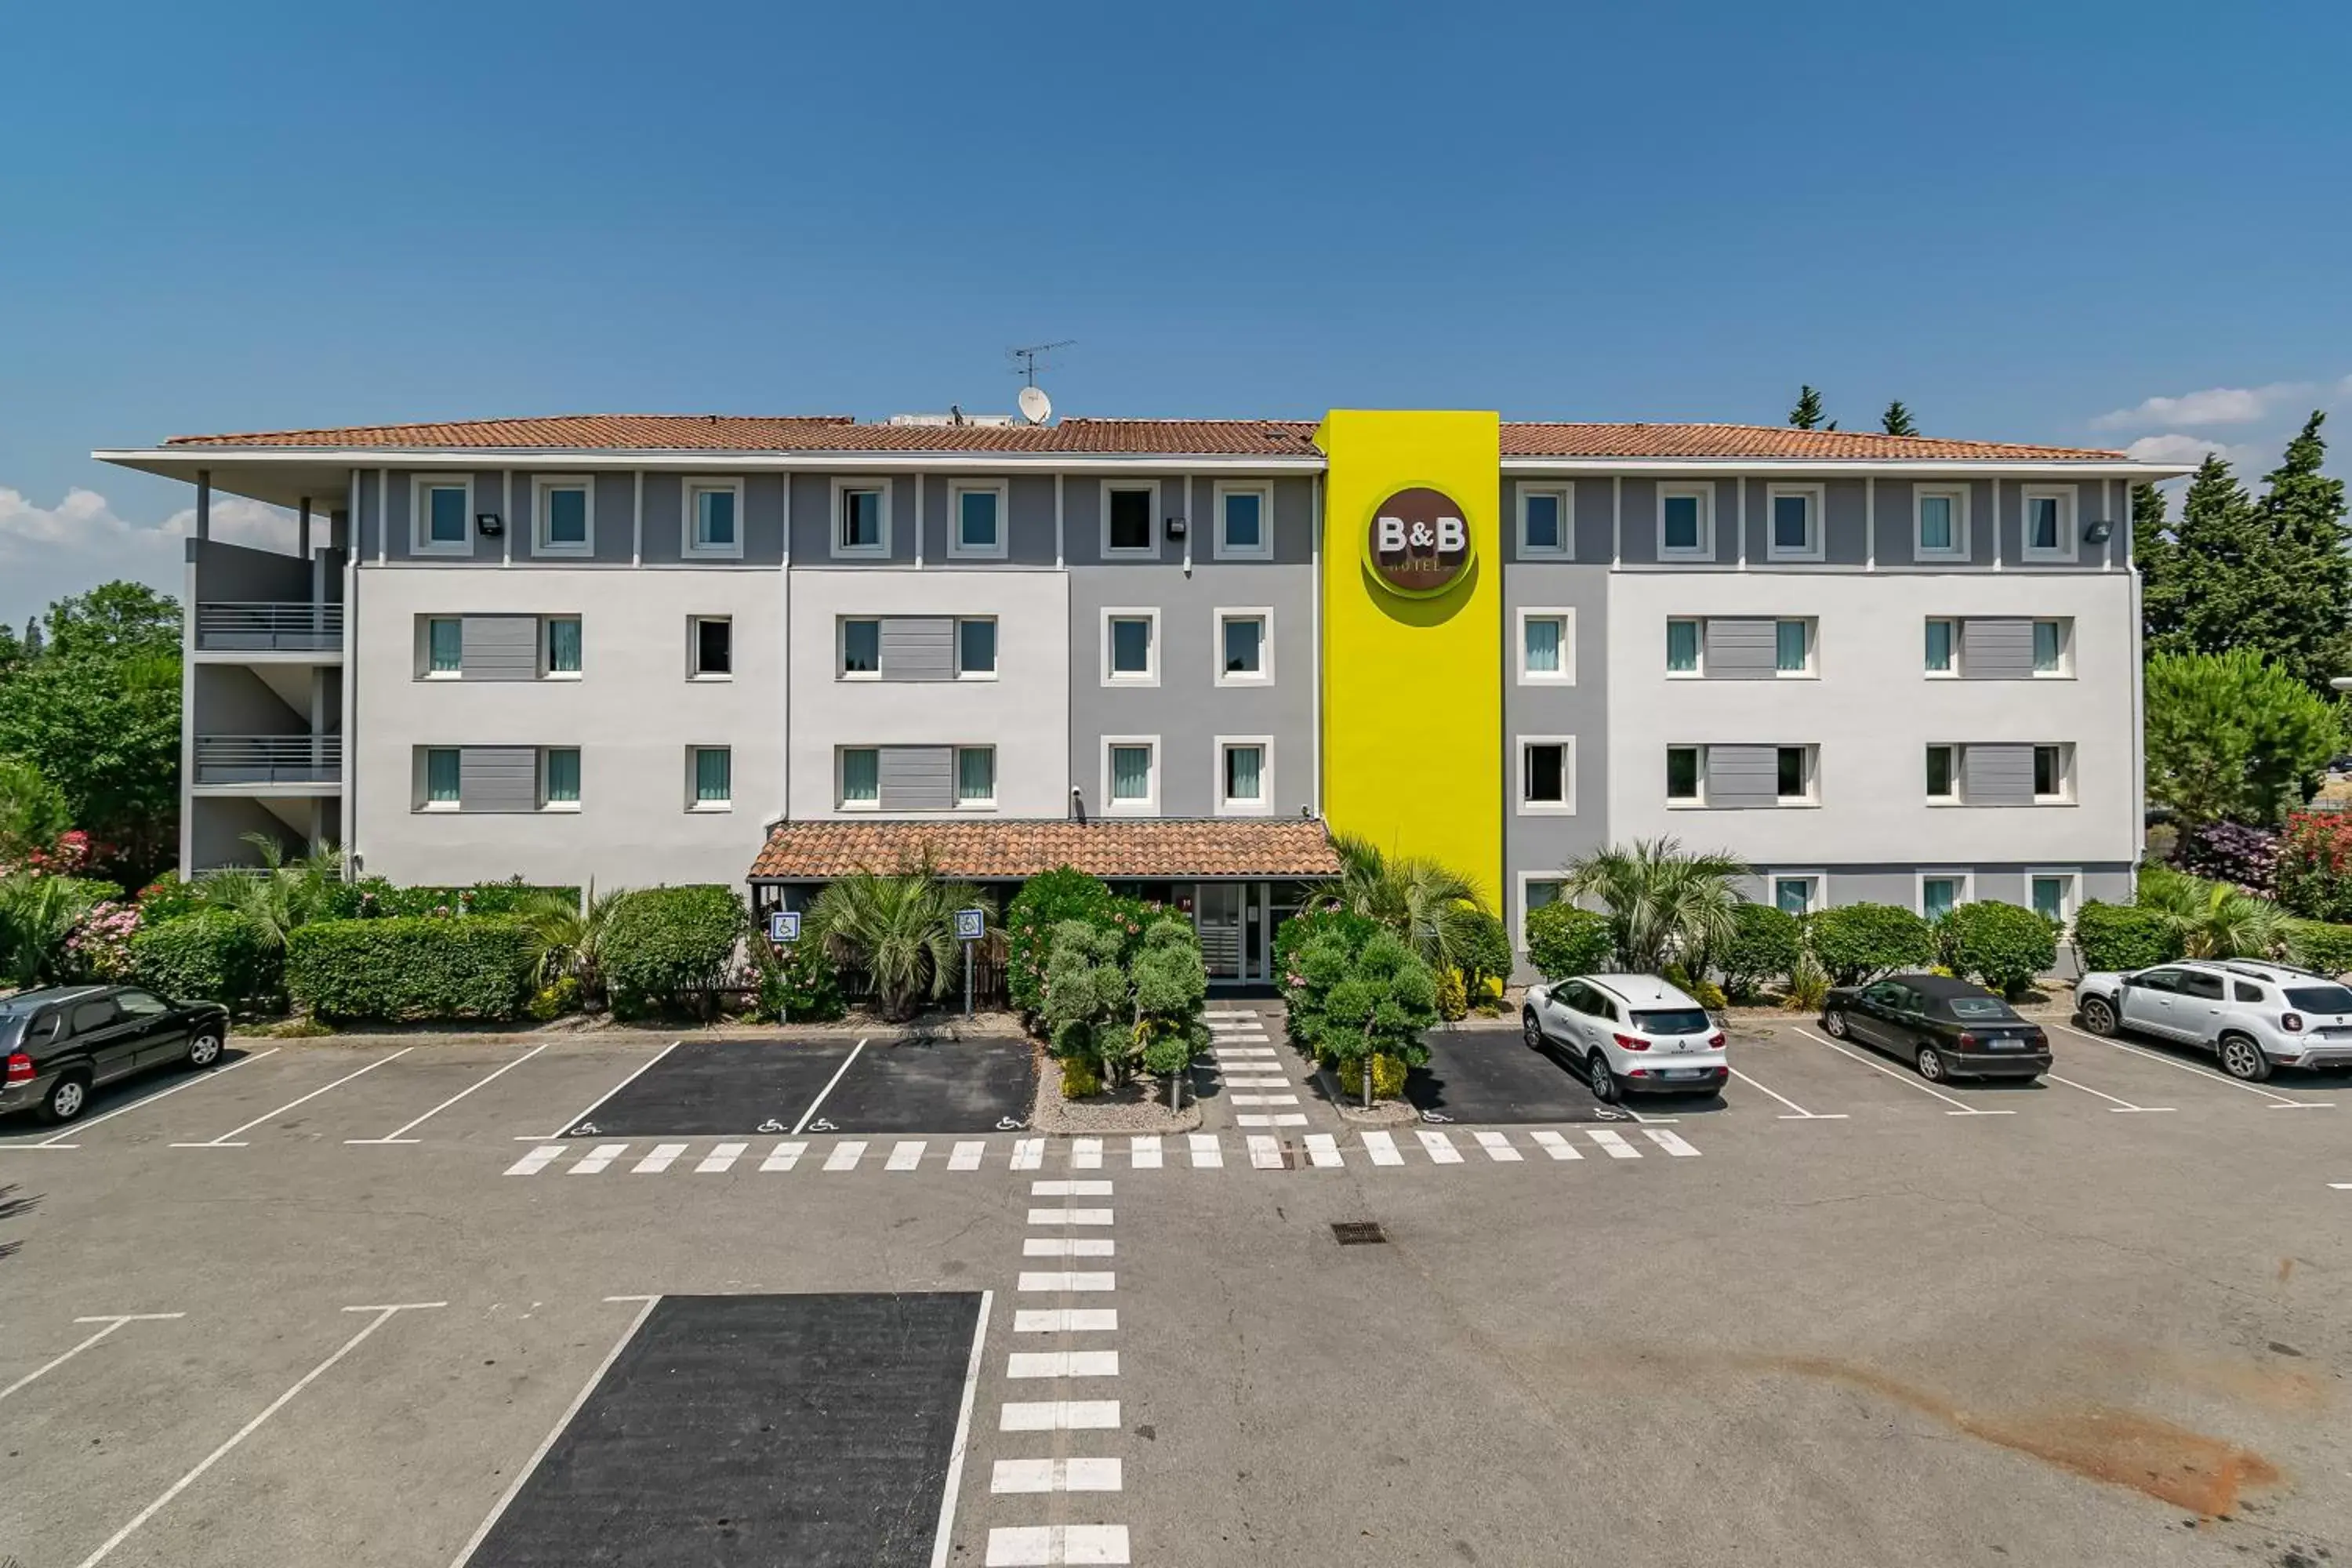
column 1412, row 690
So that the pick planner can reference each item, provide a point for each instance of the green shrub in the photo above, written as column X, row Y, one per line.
column 549, row 1003
column 1452, row 996
column 670, row 947
column 1388, row 1076
column 1304, row 927
column 1859, row 943
column 1808, row 986
column 2321, row 946
column 1079, row 1079
column 374, row 897
column 411, row 968
column 1765, row 945
column 2123, row 936
column 801, row 985
column 1487, row 958
column 167, row 898
column 1372, row 999
column 209, row 955
column 1045, row 902
column 2000, row 945
column 1564, row 940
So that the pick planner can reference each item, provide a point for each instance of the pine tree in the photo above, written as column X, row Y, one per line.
column 1807, row 414
column 33, row 638
column 2158, row 558
column 1896, row 420
column 2193, row 590
column 2306, row 612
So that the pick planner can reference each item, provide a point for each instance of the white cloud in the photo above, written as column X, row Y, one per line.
column 47, row 552
column 2218, row 404
column 2183, row 448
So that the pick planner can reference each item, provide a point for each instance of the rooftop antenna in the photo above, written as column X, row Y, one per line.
column 1030, row 359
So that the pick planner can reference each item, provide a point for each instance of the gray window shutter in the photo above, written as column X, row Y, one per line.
column 1741, row 648
column 498, row 778
column 500, row 648
column 918, row 647
column 918, row 778
column 1743, row 775
column 1996, row 775
column 1998, row 649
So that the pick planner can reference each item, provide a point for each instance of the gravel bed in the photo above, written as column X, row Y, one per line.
column 1142, row 1111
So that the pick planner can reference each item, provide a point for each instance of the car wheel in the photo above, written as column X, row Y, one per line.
column 1530, row 1030
column 2098, row 1017
column 1833, row 1025
column 1931, row 1065
column 1605, row 1087
column 67, row 1098
column 205, row 1050
column 2242, row 1059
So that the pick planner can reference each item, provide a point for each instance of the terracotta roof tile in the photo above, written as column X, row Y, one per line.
column 1159, row 847
column 1704, row 441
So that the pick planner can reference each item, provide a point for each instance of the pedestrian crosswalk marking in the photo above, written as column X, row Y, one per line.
column 1085, row 1155
column 907, row 1156
column 1553, row 1144
column 1498, row 1147
column 1441, row 1148
column 1265, row 1153
column 783, row 1156
column 1671, row 1142
column 1614, row 1144
column 1143, row 1150
column 596, row 1159
column 1206, row 1151
column 721, row 1158
column 845, row 1155
column 967, row 1155
column 1322, row 1149
column 1382, row 1147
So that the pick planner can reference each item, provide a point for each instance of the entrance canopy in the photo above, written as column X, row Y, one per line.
column 1144, row 849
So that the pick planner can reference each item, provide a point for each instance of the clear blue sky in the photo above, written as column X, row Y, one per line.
column 2018, row 217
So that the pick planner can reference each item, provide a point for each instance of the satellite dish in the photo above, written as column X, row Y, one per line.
column 1036, row 406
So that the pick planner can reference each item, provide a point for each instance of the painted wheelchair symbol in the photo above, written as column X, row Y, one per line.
column 772, row 1125
column 1009, row 1124
column 824, row 1125
column 585, row 1129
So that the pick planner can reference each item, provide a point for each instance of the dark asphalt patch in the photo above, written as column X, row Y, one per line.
column 813, row 1430
column 718, row 1087
column 934, row 1085
column 1491, row 1075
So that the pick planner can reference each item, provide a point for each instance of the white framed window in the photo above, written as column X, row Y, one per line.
column 1686, row 523
column 440, row 647
column 1244, row 523
column 1244, row 781
column 1546, row 523
column 2049, row 522
column 2054, row 774
column 1792, row 523
column 858, row 778
column 976, row 648
column 441, row 514
column 559, row 778
column 714, row 519
column 1941, row 892
column 710, row 647
column 1131, row 518
column 975, row 778
column 2054, row 649
column 2052, row 893
column 1685, row 775
column 1537, row 889
column 439, row 778
column 559, row 647
column 1130, row 645
column 1548, row 775
column 861, row 520
column 1245, row 646
column 976, row 520
column 563, row 516
column 1546, row 643
column 709, row 778
column 1798, row 892
column 1939, row 522
column 1944, row 775
column 1796, row 775
column 1943, row 646
column 860, row 651
column 1131, row 774
column 1685, row 640
column 1793, row 647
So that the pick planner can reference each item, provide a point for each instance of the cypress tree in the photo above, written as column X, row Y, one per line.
column 1896, row 420
column 33, row 639
column 2306, row 605
column 1807, row 414
column 2158, row 559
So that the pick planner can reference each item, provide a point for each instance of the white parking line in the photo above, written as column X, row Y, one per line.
column 224, row 1140
column 2280, row 1101
column 1382, row 1147
column 1206, row 1152
column 2113, row 1104
column 634, row 1074
column 663, row 1157
column 2341, row 1187
column 1905, row 1079
column 112, row 1322
column 1046, row 1545
column 1143, row 1150
column 394, row 1136
column 1796, row 1112
column 905, row 1155
column 1498, row 1147
column 942, row 1541
column 1012, row 1476
column 967, row 1155
column 1062, row 1364
column 382, row 1316
column 1034, row 1282
column 58, row 1140
column 845, row 1155
column 802, row 1125
column 1551, row 1143
column 783, row 1156
column 720, row 1158
column 1066, row 1321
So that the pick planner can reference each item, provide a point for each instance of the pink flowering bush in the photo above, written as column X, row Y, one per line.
column 99, row 946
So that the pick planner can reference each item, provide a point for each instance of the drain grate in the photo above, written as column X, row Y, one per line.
column 1357, row 1233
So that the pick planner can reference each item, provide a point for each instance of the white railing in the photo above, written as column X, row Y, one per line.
column 270, row 759
column 266, row 626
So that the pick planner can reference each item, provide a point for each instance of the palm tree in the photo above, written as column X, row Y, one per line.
column 570, row 934
column 898, row 927
column 1436, row 909
column 2214, row 919
column 279, row 894
column 1663, row 901
column 37, row 915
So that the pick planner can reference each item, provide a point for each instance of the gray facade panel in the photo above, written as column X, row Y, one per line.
column 1883, row 882
column 1742, row 776
column 1741, row 648
column 1845, row 517
column 498, row 778
column 1996, row 774
column 1030, row 500
column 1638, row 535
column 1541, row 844
column 1596, row 530
column 616, row 516
column 1997, row 648
column 812, row 520
column 1083, row 502
column 500, row 648
column 236, row 571
column 917, row 778
column 918, row 647
column 1898, row 530
column 231, row 699
column 663, row 532
column 763, row 519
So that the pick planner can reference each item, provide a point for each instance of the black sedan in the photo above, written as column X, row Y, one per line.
column 1946, row 1028
column 61, row 1043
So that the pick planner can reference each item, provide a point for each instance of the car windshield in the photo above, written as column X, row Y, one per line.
column 1979, row 1009
column 2310, row 998
column 1674, row 1021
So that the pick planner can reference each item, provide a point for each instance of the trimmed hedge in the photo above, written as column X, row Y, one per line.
column 1766, row 943
column 1563, row 940
column 2324, row 947
column 1300, row 930
column 2121, row 936
column 210, row 955
column 668, row 947
column 2000, row 945
column 412, row 968
column 374, row 897
column 1859, row 943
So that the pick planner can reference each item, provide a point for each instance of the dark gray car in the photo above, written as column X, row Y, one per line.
column 61, row 1043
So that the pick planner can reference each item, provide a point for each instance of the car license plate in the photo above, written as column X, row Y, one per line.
column 2005, row 1044
column 1687, row 1072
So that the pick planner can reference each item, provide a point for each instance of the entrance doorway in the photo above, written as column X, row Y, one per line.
column 1232, row 919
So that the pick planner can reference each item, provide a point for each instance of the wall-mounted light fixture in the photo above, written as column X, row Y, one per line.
column 2098, row 532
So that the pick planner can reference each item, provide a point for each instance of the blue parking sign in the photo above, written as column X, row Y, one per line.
column 971, row 924
column 784, row 926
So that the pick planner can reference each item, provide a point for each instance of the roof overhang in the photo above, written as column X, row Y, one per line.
column 1886, row 467
column 1115, row 849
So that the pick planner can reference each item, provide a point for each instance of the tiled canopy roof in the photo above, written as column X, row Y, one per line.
column 816, row 851
column 1142, row 438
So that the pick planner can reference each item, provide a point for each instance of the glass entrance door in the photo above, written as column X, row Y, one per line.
column 1217, row 911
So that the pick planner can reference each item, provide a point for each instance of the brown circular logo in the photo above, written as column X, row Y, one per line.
column 1418, row 541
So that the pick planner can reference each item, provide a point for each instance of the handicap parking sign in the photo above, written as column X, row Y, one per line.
column 783, row 925
column 971, row 924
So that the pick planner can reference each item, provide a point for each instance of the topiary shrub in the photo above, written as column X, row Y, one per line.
column 2000, row 945
column 209, row 955
column 1564, row 940
column 1043, row 902
column 1858, row 942
column 669, row 948
column 2121, row 937
column 1765, row 945
column 410, row 968
column 1296, row 932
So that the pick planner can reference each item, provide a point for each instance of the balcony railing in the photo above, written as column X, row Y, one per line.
column 266, row 626
column 270, row 759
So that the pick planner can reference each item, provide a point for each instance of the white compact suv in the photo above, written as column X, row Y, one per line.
column 2251, row 1014
column 1627, row 1032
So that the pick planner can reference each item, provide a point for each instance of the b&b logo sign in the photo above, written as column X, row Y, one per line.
column 1419, row 544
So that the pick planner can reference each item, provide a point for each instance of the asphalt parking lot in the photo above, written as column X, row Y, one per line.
column 912, row 1084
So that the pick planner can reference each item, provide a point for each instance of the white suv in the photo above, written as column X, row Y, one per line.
column 1628, row 1031
column 2251, row 1014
